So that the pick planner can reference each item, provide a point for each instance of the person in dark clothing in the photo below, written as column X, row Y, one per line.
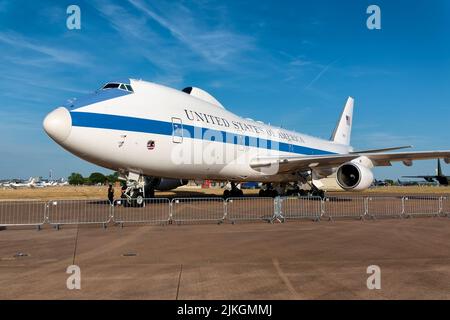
column 111, row 193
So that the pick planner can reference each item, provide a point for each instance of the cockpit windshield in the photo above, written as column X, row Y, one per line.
column 120, row 86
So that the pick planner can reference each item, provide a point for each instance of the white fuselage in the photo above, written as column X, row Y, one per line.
column 163, row 132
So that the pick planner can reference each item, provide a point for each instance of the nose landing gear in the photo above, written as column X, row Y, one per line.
column 136, row 191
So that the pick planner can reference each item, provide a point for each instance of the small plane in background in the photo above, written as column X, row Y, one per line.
column 439, row 177
column 31, row 183
column 407, row 183
column 379, row 183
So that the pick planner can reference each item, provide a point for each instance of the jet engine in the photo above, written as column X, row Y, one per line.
column 164, row 184
column 353, row 176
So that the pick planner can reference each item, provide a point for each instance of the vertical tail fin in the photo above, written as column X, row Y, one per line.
column 343, row 130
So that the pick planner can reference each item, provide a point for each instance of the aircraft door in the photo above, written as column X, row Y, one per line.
column 177, row 130
column 241, row 143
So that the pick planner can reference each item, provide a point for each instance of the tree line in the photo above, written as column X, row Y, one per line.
column 94, row 178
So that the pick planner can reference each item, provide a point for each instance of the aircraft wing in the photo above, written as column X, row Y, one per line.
column 299, row 163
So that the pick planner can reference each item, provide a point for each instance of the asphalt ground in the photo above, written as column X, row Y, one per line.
column 258, row 260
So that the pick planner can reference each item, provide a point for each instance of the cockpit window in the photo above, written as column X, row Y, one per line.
column 110, row 86
column 121, row 86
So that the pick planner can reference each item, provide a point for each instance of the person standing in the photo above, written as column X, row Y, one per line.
column 111, row 194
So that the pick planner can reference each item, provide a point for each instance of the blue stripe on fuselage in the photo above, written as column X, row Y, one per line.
column 114, row 122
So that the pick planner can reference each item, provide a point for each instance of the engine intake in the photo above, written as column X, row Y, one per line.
column 353, row 176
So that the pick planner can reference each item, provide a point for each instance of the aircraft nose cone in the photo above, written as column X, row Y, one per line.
column 58, row 124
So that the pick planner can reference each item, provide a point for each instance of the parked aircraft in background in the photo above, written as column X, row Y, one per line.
column 404, row 183
column 439, row 177
column 31, row 183
column 379, row 183
column 159, row 138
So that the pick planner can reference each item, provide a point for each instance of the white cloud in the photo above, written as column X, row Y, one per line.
column 217, row 45
column 17, row 41
column 320, row 74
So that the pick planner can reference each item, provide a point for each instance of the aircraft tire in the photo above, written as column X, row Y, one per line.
column 138, row 199
column 237, row 193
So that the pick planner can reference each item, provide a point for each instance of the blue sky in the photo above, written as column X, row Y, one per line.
column 290, row 63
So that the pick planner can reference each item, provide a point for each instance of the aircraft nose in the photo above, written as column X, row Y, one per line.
column 58, row 124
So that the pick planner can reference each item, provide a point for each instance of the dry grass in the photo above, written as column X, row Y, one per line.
column 100, row 192
column 409, row 190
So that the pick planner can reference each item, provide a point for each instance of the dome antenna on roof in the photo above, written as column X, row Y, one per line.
column 202, row 95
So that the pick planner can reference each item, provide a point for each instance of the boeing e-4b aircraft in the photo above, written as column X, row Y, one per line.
column 158, row 138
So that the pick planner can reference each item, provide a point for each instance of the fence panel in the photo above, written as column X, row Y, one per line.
column 250, row 209
column 189, row 210
column 22, row 213
column 421, row 205
column 384, row 207
column 344, row 207
column 445, row 206
column 153, row 211
column 301, row 208
column 79, row 212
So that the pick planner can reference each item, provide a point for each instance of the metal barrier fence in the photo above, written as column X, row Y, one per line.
column 197, row 210
column 201, row 210
column 445, row 206
column 250, row 209
column 344, row 207
column 421, row 206
column 61, row 212
column 301, row 208
column 22, row 213
column 153, row 211
column 384, row 207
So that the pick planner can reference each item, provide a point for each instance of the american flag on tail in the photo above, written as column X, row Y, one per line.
column 348, row 119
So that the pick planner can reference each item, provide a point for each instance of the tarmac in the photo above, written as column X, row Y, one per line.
column 292, row 260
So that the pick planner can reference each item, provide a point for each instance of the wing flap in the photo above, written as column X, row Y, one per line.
column 408, row 156
column 303, row 163
column 381, row 150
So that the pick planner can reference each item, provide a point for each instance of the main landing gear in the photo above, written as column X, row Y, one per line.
column 291, row 189
column 314, row 191
column 268, row 191
column 235, row 192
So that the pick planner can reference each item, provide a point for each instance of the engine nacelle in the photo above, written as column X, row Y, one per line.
column 353, row 176
column 165, row 184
